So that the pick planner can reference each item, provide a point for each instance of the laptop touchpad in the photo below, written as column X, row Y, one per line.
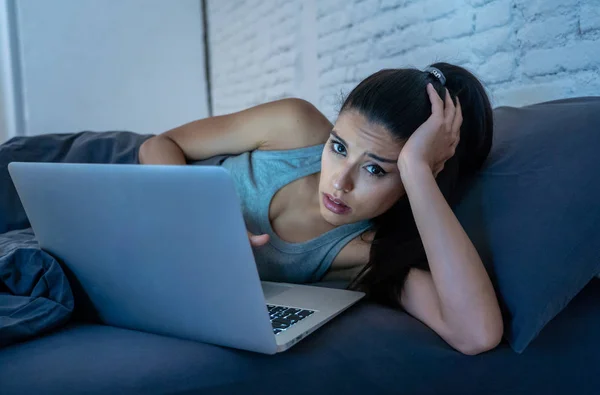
column 270, row 290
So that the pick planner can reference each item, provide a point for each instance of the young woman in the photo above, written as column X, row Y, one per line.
column 365, row 200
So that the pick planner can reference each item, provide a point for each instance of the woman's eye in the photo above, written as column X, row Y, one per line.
column 376, row 170
column 338, row 148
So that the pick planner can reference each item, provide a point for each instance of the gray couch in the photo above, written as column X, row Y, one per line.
column 370, row 349
column 533, row 215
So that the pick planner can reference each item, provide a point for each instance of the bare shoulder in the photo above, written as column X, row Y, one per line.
column 351, row 259
column 355, row 253
column 301, row 124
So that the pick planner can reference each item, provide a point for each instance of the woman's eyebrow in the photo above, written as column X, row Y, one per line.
column 337, row 136
column 370, row 154
column 379, row 158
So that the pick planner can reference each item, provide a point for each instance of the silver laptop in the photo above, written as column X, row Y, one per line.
column 164, row 249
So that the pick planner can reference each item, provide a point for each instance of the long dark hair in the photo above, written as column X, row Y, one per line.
column 397, row 99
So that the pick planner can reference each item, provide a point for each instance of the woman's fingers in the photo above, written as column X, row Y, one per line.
column 457, row 122
column 437, row 105
column 258, row 240
column 449, row 109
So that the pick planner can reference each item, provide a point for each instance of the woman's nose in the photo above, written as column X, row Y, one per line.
column 343, row 181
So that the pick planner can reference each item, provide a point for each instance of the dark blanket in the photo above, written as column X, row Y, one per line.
column 35, row 296
column 82, row 147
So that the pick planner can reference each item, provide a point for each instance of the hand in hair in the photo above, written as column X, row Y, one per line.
column 435, row 141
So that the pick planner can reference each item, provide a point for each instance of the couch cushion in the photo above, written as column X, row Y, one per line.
column 533, row 212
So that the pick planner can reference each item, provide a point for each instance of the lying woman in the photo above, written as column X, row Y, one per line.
column 366, row 201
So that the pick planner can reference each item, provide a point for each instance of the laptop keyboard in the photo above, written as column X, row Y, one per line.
column 283, row 317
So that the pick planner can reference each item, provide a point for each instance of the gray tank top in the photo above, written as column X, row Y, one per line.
column 258, row 175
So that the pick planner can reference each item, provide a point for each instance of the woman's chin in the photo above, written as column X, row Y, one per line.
column 333, row 218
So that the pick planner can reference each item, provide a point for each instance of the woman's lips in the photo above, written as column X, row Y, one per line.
column 334, row 205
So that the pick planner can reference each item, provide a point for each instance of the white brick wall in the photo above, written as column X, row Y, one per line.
column 524, row 51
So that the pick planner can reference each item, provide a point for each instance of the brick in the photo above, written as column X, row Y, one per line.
column 363, row 70
column 350, row 73
column 331, row 101
column 286, row 11
column 284, row 74
column 459, row 24
column 394, row 62
column 538, row 33
column 361, row 11
column 253, row 70
column 453, row 51
column 276, row 92
column 413, row 36
column 590, row 16
column 573, row 57
column 410, row 15
column 332, row 77
column 403, row 40
column 388, row 46
column 494, row 14
column 261, row 53
column 523, row 94
column 389, row 4
column 584, row 83
column 325, row 62
column 489, row 42
column 330, row 6
column 285, row 27
column 478, row 3
column 347, row 87
column 498, row 68
column 263, row 9
column 418, row 58
column 532, row 9
column 352, row 55
column 434, row 9
column 332, row 22
column 278, row 60
column 332, row 42
column 372, row 27
column 282, row 43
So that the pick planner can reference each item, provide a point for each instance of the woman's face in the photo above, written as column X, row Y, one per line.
column 358, row 167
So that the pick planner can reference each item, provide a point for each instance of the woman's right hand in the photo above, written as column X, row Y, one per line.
column 258, row 240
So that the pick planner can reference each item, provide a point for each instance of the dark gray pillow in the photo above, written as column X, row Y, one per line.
column 533, row 212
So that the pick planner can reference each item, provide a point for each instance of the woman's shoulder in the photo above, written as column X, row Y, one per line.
column 305, row 126
column 351, row 259
column 355, row 253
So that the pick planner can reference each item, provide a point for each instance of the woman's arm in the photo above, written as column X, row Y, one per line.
column 456, row 299
column 281, row 124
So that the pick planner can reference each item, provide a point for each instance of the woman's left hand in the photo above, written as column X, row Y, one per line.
column 435, row 141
